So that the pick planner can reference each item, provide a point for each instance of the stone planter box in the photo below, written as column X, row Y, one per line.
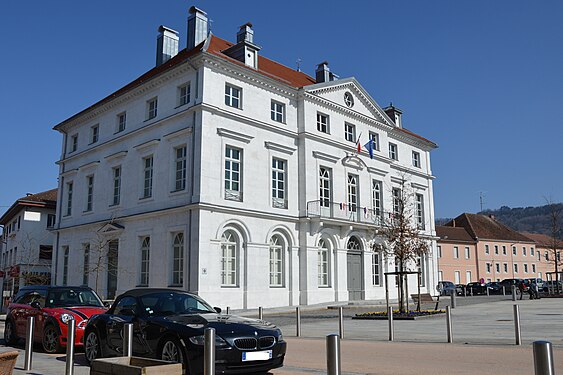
column 134, row 366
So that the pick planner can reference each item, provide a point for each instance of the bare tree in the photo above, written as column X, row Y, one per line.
column 35, row 261
column 555, row 243
column 402, row 232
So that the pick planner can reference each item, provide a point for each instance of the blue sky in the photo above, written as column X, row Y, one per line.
column 482, row 79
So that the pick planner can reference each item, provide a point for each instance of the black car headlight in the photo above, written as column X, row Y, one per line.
column 280, row 336
column 200, row 340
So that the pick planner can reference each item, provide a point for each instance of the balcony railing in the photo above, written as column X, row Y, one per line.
column 343, row 211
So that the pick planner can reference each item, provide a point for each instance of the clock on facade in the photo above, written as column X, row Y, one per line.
column 349, row 99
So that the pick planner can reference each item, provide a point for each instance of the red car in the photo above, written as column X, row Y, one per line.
column 52, row 307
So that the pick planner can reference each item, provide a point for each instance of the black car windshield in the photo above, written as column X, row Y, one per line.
column 63, row 297
column 172, row 303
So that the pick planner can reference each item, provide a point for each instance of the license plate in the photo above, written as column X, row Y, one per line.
column 257, row 356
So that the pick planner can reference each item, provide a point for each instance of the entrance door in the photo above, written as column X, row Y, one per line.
column 354, row 261
column 113, row 250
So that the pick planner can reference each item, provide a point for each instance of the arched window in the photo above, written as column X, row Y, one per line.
column 178, row 259
column 277, row 249
column 145, row 257
column 229, row 259
column 353, row 244
column 323, row 263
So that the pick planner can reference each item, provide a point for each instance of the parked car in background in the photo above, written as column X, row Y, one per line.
column 535, row 280
column 475, row 288
column 445, row 288
column 495, row 287
column 53, row 307
column 507, row 283
column 460, row 289
column 169, row 324
column 551, row 286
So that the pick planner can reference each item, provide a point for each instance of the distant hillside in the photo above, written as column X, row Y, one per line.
column 528, row 219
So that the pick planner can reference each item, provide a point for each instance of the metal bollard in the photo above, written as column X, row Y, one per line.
column 69, row 368
column 340, row 322
column 390, row 320
column 503, row 291
column 465, row 292
column 517, row 334
column 298, row 322
column 513, row 287
column 228, row 310
column 209, row 352
column 260, row 313
column 128, row 339
column 452, row 296
column 543, row 358
column 487, row 291
column 29, row 343
column 471, row 291
column 333, row 355
column 449, row 325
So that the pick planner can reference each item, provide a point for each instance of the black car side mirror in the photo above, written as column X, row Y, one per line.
column 35, row 305
column 218, row 309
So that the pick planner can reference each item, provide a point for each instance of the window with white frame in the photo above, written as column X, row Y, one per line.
column 325, row 183
column 116, row 199
column 276, row 261
column 86, row 264
column 277, row 111
column 180, row 163
column 421, row 261
column 456, row 252
column 468, row 276
column 467, row 252
column 89, row 193
column 393, row 152
column 232, row 96
column 352, row 193
column 397, row 204
column 377, row 198
column 233, row 171
column 513, row 250
column 145, row 259
column 350, row 132
column 322, row 123
column 279, row 199
column 375, row 138
column 323, row 263
column 51, row 220
column 497, row 266
column 376, row 269
column 73, row 142
column 515, row 267
column 533, row 268
column 503, row 250
column 152, row 108
column 229, row 259
column 121, row 122
column 524, row 251
column 65, row 264
column 487, row 251
column 94, row 133
column 525, row 268
column 416, row 159
column 457, row 277
column 488, row 267
column 184, row 92
column 69, row 192
column 439, row 249
column 178, row 259
column 147, row 176
column 505, row 267
column 531, row 251
column 420, row 211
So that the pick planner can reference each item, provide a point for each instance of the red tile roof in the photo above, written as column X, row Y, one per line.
column 543, row 240
column 484, row 227
column 449, row 234
column 46, row 199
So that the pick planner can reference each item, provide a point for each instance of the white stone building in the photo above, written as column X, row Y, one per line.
column 227, row 174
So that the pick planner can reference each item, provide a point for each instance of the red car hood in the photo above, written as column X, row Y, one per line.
column 80, row 313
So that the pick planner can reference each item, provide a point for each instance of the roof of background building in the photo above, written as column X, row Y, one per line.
column 485, row 227
column 453, row 234
column 543, row 240
column 47, row 199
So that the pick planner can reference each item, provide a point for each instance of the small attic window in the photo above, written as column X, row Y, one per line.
column 349, row 99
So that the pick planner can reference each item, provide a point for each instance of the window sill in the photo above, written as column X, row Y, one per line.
column 324, row 287
column 230, row 286
column 89, row 212
column 277, row 286
column 178, row 192
column 114, row 206
column 146, row 199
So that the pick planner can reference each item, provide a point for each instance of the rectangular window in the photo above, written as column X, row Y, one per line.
column 496, row 249
column 94, row 133
column 513, row 250
column 74, row 143
column 397, row 204
column 276, row 265
column 229, row 274
column 422, row 269
column 375, row 138
column 467, row 276
column 488, row 267
column 531, row 251
column 533, row 268
column 353, row 193
column 89, row 193
column 279, row 199
column 487, row 251
column 376, row 269
column 525, row 268
column 515, row 267
column 69, row 187
column 467, row 252
column 457, row 277
column 523, row 251
column 184, row 92
column 325, row 190
column 116, row 186
column 377, row 198
column 439, row 248
column 121, row 121
column 497, row 266
column 546, row 256
column 65, row 265
column 145, row 258
column 350, row 132
column 277, row 111
column 505, row 267
column 233, row 96
column 147, row 176
column 420, row 211
column 180, row 163
column 416, row 159
column 503, row 250
column 456, row 252
column 233, row 171
column 322, row 123
column 50, row 220
column 86, row 265
column 323, row 264
column 152, row 108
column 45, row 252
column 178, row 259
column 393, row 153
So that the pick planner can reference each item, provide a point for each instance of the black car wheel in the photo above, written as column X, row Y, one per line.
column 10, row 333
column 50, row 340
column 171, row 350
column 92, row 349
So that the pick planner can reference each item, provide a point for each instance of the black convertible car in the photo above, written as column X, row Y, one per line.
column 169, row 324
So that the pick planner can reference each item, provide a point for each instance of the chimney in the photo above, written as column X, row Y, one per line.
column 395, row 114
column 197, row 27
column 323, row 73
column 166, row 45
column 245, row 50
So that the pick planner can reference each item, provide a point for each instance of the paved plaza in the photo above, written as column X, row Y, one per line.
column 483, row 329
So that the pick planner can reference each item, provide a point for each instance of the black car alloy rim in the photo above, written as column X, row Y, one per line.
column 171, row 352
column 8, row 332
column 91, row 346
column 50, row 338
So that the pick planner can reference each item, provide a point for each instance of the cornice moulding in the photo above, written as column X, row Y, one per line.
column 278, row 147
column 147, row 145
column 326, row 157
column 178, row 133
column 117, row 155
column 234, row 135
